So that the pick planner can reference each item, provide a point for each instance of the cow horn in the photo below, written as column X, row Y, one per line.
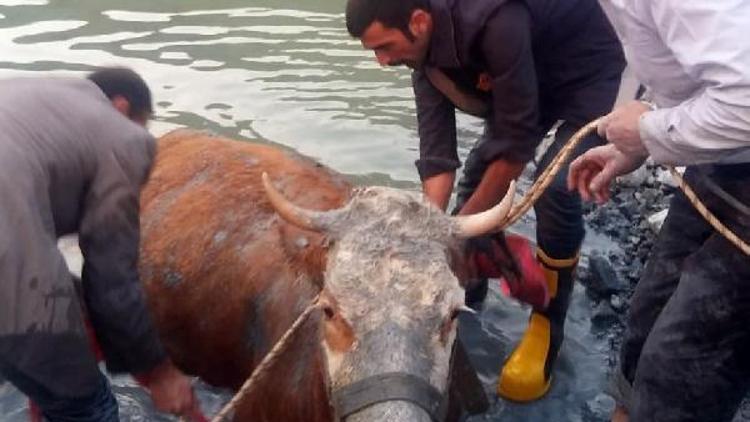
column 300, row 217
column 487, row 221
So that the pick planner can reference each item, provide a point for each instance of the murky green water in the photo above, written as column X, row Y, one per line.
column 284, row 72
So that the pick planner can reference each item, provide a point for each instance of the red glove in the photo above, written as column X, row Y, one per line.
column 511, row 258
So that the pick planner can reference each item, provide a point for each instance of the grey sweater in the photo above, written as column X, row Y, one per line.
column 69, row 162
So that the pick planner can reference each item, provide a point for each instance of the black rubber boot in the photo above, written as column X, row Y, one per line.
column 476, row 294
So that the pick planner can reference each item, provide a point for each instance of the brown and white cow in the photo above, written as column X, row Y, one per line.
column 226, row 276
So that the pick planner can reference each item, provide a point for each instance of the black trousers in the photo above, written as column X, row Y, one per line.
column 99, row 406
column 559, row 226
column 686, row 352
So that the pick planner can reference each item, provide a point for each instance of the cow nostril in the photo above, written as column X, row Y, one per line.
column 328, row 311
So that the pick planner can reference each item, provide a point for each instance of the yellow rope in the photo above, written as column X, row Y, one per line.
column 277, row 349
column 544, row 180
column 710, row 217
column 548, row 175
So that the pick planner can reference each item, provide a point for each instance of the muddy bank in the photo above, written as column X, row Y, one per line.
column 632, row 219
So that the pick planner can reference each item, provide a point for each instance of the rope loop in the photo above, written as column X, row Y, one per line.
column 549, row 173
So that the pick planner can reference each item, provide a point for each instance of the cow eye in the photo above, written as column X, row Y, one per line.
column 329, row 312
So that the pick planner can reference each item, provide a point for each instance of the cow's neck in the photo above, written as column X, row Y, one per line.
column 295, row 386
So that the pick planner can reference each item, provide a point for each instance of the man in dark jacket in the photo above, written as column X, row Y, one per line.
column 73, row 156
column 522, row 65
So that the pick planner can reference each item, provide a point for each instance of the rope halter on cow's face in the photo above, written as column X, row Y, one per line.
column 353, row 394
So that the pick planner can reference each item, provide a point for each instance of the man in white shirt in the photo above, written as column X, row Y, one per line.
column 686, row 352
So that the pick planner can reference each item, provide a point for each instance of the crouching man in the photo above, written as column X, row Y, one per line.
column 73, row 156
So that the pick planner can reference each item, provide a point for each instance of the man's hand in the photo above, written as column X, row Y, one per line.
column 593, row 172
column 170, row 389
column 620, row 128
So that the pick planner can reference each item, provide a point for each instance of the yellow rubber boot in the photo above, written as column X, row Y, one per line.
column 526, row 375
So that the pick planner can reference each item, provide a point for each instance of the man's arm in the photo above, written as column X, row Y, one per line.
column 438, row 188
column 109, row 236
column 493, row 186
column 436, row 117
column 109, row 239
column 715, row 124
column 514, row 130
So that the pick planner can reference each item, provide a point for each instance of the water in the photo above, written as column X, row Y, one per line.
column 283, row 72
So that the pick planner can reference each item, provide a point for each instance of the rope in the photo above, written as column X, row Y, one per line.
column 549, row 173
column 544, row 180
column 710, row 217
column 263, row 366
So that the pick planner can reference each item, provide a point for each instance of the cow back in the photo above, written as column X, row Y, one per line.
column 225, row 276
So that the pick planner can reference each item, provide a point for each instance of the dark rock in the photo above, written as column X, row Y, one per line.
column 602, row 280
column 635, row 269
column 651, row 197
column 617, row 302
column 604, row 316
column 743, row 413
column 599, row 408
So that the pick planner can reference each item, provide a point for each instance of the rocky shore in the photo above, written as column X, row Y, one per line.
column 632, row 219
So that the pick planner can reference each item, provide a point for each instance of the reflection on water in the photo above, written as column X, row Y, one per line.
column 286, row 75
column 284, row 72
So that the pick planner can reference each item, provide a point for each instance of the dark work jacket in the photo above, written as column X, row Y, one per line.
column 69, row 162
column 541, row 61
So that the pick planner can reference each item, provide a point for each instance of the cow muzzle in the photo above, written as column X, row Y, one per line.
column 417, row 399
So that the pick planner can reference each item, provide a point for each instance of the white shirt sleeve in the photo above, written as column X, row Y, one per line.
column 710, row 40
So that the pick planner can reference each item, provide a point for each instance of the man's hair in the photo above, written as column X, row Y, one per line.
column 360, row 14
column 124, row 82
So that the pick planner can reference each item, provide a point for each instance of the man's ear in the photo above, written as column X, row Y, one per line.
column 420, row 22
column 122, row 105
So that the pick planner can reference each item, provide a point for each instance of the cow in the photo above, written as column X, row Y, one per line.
column 230, row 258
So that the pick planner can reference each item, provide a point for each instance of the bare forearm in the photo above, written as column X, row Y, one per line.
column 493, row 186
column 438, row 188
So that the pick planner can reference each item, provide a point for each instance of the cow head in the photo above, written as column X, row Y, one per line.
column 392, row 288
